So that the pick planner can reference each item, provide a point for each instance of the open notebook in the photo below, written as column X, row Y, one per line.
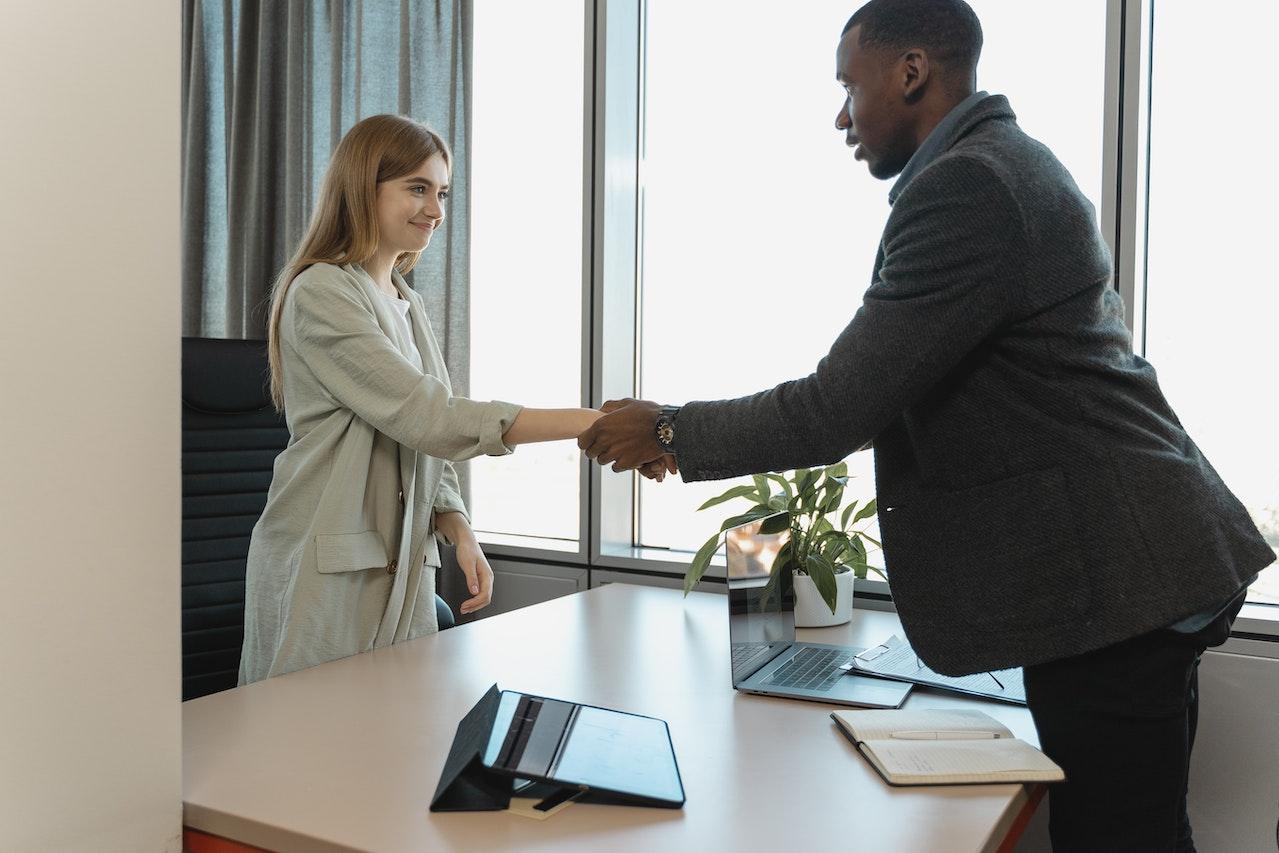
column 944, row 747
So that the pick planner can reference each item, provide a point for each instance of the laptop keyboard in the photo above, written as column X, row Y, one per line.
column 811, row 669
column 742, row 652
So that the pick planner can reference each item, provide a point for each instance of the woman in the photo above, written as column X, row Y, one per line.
column 343, row 558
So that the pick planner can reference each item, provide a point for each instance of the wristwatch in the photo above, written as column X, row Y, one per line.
column 666, row 428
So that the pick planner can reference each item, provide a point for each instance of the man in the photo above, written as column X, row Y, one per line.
column 1040, row 503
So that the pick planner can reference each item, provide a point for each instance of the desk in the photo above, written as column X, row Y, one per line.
column 347, row 754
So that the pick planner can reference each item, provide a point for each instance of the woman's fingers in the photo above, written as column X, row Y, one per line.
column 479, row 580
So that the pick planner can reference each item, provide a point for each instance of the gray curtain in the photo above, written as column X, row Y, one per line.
column 268, row 89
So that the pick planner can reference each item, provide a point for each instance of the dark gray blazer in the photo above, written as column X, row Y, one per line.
column 1038, row 498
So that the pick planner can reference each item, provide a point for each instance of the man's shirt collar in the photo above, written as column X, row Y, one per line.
column 936, row 143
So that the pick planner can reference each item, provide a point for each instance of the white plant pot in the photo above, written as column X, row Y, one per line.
column 811, row 611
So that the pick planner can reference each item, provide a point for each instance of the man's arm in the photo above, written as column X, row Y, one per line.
column 954, row 252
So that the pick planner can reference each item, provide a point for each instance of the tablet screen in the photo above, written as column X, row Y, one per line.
column 581, row 745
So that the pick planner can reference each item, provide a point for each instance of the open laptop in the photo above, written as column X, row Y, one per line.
column 761, row 626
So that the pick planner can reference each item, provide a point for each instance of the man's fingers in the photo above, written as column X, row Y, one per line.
column 591, row 448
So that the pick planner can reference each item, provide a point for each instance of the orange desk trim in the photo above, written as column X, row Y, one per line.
column 195, row 841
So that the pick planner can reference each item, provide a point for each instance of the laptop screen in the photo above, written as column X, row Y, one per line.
column 761, row 615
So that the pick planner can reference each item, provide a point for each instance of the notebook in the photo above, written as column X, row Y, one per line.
column 944, row 747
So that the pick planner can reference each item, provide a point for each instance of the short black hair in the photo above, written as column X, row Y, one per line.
column 947, row 29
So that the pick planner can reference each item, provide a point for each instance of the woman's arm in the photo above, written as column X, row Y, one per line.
column 533, row 425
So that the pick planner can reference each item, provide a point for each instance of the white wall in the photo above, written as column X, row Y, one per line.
column 1234, row 770
column 90, row 743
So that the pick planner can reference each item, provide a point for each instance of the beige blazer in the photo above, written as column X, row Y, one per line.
column 343, row 558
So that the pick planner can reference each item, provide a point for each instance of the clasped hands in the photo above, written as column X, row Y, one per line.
column 624, row 436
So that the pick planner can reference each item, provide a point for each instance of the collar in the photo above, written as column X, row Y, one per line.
column 962, row 117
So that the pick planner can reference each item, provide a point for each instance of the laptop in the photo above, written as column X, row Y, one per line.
column 761, row 626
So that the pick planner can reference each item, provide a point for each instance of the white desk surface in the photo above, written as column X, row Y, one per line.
column 347, row 755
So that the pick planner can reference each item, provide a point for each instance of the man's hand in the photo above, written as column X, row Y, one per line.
column 625, row 435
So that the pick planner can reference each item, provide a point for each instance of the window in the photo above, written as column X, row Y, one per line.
column 1211, row 298
column 759, row 229
column 526, row 256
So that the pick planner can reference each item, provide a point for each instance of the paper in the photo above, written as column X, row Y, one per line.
column 961, row 757
column 528, row 807
column 894, row 658
column 880, row 725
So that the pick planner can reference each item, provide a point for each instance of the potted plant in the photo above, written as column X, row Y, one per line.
column 824, row 558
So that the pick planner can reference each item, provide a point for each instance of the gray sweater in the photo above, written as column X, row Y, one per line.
column 1038, row 497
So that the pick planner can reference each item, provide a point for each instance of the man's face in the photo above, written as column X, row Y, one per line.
column 875, row 117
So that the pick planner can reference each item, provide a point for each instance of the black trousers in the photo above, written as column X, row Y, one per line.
column 1121, row 722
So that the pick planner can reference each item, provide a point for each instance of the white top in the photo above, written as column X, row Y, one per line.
column 406, row 325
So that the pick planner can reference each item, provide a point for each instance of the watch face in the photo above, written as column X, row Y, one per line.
column 665, row 432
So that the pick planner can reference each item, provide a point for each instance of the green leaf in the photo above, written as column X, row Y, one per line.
column 834, row 496
column 867, row 511
column 735, row 492
column 808, row 502
column 762, row 488
column 777, row 502
column 858, row 548
column 823, row 575
column 752, row 515
column 834, row 547
column 848, row 510
column 783, row 482
column 805, row 482
column 775, row 523
column 839, row 469
column 860, row 568
column 700, row 561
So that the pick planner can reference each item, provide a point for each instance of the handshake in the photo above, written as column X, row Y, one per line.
column 624, row 436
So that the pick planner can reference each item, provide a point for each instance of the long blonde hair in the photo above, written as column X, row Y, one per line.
column 343, row 228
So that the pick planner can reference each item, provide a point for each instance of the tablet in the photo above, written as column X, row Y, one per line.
column 596, row 750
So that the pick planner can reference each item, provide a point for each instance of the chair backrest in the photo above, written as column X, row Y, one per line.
column 231, row 435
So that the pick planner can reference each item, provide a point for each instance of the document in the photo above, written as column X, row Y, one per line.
column 944, row 747
column 895, row 659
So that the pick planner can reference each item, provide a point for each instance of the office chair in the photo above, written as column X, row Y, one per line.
column 231, row 435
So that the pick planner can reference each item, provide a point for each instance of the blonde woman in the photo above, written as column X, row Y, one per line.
column 343, row 558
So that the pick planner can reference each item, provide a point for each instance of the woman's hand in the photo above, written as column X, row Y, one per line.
column 475, row 566
column 479, row 575
column 659, row 467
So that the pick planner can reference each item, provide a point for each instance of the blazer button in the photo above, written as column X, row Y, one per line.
column 392, row 566
column 401, row 498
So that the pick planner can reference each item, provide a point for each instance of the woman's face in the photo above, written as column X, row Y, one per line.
column 410, row 208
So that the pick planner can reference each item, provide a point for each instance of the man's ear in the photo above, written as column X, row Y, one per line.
column 915, row 70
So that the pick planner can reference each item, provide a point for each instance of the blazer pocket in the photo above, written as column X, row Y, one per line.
column 1000, row 554
column 350, row 552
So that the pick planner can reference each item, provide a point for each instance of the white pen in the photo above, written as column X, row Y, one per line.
column 946, row 735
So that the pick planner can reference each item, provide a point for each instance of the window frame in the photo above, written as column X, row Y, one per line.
column 613, row 129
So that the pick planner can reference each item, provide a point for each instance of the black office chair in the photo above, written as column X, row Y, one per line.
column 231, row 435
